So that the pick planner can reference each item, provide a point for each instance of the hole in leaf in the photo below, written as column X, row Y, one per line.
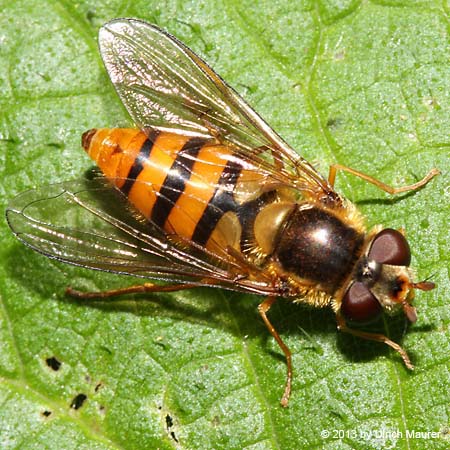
column 169, row 421
column 169, row 425
column 78, row 401
column 53, row 363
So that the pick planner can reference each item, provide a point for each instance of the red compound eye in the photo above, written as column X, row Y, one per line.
column 390, row 247
column 359, row 304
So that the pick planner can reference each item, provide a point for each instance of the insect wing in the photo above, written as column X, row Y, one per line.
column 90, row 224
column 164, row 85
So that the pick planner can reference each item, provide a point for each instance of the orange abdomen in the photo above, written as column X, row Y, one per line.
column 180, row 183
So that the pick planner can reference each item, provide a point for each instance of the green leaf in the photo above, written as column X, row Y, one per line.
column 364, row 84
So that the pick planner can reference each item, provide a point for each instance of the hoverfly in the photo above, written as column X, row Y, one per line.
column 205, row 193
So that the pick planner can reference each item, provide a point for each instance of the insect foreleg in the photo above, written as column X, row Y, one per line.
column 384, row 187
column 263, row 309
column 342, row 326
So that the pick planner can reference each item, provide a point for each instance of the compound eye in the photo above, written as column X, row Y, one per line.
column 390, row 247
column 359, row 304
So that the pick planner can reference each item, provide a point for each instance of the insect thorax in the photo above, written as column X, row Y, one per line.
column 317, row 248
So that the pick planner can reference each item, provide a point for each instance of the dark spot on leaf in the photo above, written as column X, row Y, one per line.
column 57, row 145
column 46, row 413
column 169, row 425
column 97, row 388
column 334, row 122
column 215, row 421
column 90, row 15
column 78, row 401
column 169, row 421
column 53, row 363
column 105, row 349
column 199, row 386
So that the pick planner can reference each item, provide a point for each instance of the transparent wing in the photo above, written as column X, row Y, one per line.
column 91, row 224
column 164, row 85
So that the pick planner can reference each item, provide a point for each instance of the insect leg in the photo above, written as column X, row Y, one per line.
column 136, row 289
column 342, row 326
column 263, row 309
column 384, row 187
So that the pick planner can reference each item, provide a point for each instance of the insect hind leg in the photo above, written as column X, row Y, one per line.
column 135, row 289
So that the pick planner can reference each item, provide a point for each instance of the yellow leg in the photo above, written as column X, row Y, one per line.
column 137, row 289
column 342, row 326
column 384, row 187
column 263, row 309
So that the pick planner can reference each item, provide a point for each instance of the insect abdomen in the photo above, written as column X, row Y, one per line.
column 183, row 184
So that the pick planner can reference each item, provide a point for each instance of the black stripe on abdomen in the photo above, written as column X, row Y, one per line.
column 221, row 202
column 141, row 158
column 175, row 182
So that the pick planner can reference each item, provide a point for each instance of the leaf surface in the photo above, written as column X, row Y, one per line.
column 364, row 84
